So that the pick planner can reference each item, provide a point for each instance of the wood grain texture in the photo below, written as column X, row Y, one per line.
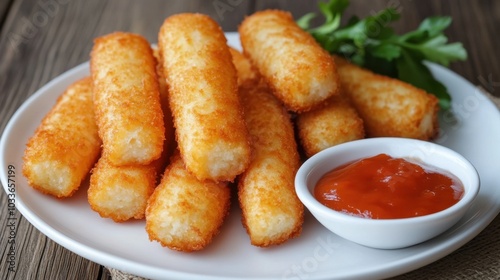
column 4, row 8
column 40, row 39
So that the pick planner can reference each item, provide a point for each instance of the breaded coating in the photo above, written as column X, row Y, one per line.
column 66, row 145
column 127, row 99
column 208, row 118
column 170, row 145
column 334, row 123
column 389, row 107
column 298, row 70
column 272, row 212
column 121, row 192
column 248, row 76
column 184, row 213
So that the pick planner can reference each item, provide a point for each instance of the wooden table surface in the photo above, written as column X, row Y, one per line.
column 40, row 39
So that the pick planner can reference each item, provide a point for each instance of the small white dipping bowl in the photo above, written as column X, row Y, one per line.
column 386, row 233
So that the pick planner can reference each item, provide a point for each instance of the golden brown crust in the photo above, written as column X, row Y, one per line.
column 127, row 99
column 248, row 76
column 170, row 144
column 389, row 107
column 201, row 77
column 297, row 69
column 272, row 212
column 334, row 123
column 184, row 213
column 121, row 192
column 65, row 145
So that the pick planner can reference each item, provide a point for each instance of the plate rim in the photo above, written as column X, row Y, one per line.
column 443, row 249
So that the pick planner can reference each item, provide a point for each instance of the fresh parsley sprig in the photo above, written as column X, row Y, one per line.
column 370, row 42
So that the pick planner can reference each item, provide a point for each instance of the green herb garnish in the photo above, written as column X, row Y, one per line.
column 371, row 43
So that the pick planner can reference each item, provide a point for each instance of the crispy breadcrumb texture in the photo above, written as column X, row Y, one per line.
column 271, row 210
column 121, row 192
column 170, row 144
column 334, row 123
column 65, row 145
column 248, row 76
column 208, row 117
column 389, row 107
column 184, row 213
column 127, row 99
column 297, row 69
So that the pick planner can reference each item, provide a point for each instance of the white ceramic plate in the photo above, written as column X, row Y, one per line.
column 317, row 254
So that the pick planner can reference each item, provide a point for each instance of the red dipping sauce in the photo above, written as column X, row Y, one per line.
column 383, row 187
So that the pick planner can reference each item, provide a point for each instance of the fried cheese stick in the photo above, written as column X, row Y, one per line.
column 298, row 70
column 272, row 212
column 389, row 107
column 208, row 118
column 170, row 144
column 126, row 98
column 65, row 145
column 247, row 75
column 121, row 192
column 334, row 123
column 184, row 213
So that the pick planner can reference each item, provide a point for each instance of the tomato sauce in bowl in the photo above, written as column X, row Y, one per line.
column 391, row 194
column 384, row 187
